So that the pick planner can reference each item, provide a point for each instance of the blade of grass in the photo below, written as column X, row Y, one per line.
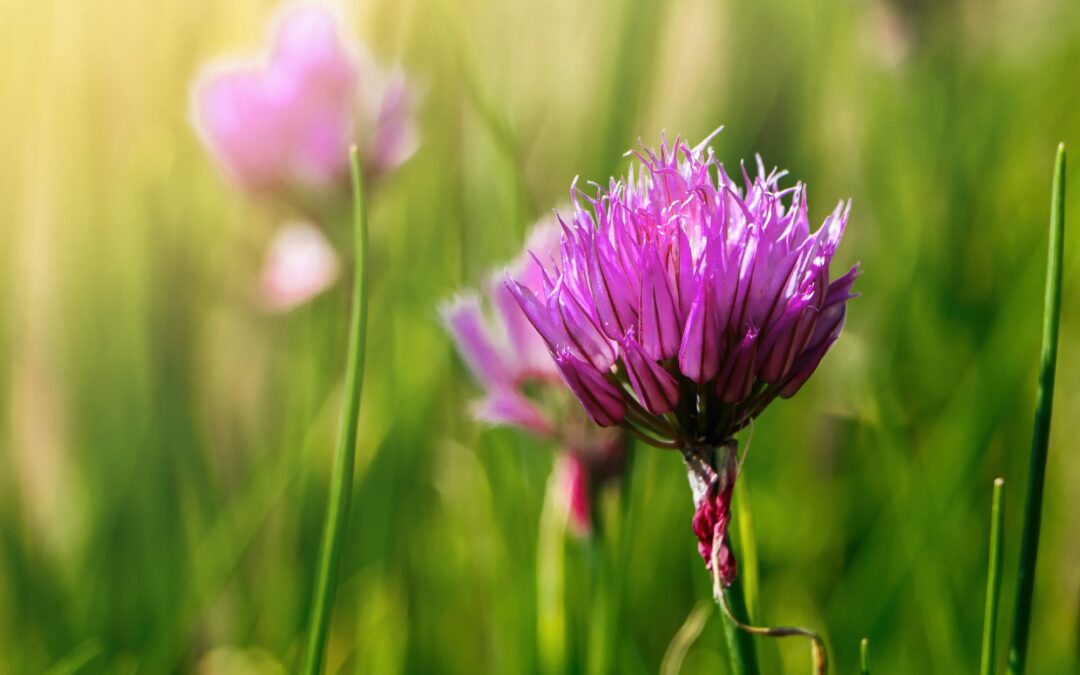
column 864, row 656
column 550, row 579
column 993, row 579
column 685, row 638
column 748, row 557
column 1029, row 544
column 337, row 512
column 79, row 657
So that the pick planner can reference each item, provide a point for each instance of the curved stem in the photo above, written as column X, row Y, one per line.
column 817, row 644
column 337, row 512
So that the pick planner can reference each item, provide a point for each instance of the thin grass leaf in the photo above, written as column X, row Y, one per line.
column 993, row 579
column 685, row 638
column 1029, row 545
column 864, row 656
column 748, row 557
column 83, row 654
column 337, row 513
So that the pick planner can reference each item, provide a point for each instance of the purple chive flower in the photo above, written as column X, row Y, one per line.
column 522, row 385
column 682, row 302
column 284, row 124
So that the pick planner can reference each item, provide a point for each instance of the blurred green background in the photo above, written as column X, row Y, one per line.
column 165, row 445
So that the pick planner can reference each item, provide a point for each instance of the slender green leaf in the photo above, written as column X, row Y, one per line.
column 864, row 656
column 1029, row 544
column 993, row 578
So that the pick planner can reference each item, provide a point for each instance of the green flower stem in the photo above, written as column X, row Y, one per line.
column 993, row 579
column 864, row 656
column 337, row 513
column 742, row 655
column 1029, row 544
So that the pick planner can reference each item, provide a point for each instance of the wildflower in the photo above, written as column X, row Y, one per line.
column 680, row 304
column 523, row 388
column 285, row 123
column 300, row 264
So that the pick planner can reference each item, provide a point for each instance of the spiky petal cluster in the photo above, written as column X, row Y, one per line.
column 682, row 302
column 522, row 385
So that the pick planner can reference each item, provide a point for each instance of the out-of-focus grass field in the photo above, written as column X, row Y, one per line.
column 166, row 445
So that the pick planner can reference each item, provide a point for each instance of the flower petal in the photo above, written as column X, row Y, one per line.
column 660, row 330
column 602, row 401
column 465, row 324
column 657, row 390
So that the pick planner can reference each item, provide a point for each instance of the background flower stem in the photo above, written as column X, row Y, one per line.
column 1029, row 544
column 337, row 512
column 864, row 656
column 993, row 579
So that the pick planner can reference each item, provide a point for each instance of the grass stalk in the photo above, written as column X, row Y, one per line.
column 337, row 513
column 864, row 656
column 993, row 579
column 1029, row 543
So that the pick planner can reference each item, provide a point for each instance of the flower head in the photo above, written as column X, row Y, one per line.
column 522, row 386
column 286, row 123
column 299, row 265
column 682, row 302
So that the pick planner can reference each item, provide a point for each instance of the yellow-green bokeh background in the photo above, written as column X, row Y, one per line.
column 165, row 445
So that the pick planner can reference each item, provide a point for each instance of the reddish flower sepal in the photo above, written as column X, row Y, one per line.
column 712, row 472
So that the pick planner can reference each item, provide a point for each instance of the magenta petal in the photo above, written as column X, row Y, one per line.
column 602, row 401
column 466, row 325
column 737, row 379
column 509, row 407
column 826, row 331
column 699, row 354
column 660, row 332
column 657, row 390
column 687, row 281
column 786, row 340
column 582, row 332
column 537, row 314
column 614, row 304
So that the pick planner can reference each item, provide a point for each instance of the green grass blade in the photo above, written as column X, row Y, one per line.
column 748, row 556
column 864, row 656
column 1029, row 545
column 993, row 578
column 79, row 657
column 337, row 512
column 686, row 636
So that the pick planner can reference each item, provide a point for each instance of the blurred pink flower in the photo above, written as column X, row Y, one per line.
column 300, row 264
column 286, row 121
column 523, row 388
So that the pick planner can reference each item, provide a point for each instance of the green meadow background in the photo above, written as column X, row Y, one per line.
column 165, row 445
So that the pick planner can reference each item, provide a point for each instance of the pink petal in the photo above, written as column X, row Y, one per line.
column 300, row 264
